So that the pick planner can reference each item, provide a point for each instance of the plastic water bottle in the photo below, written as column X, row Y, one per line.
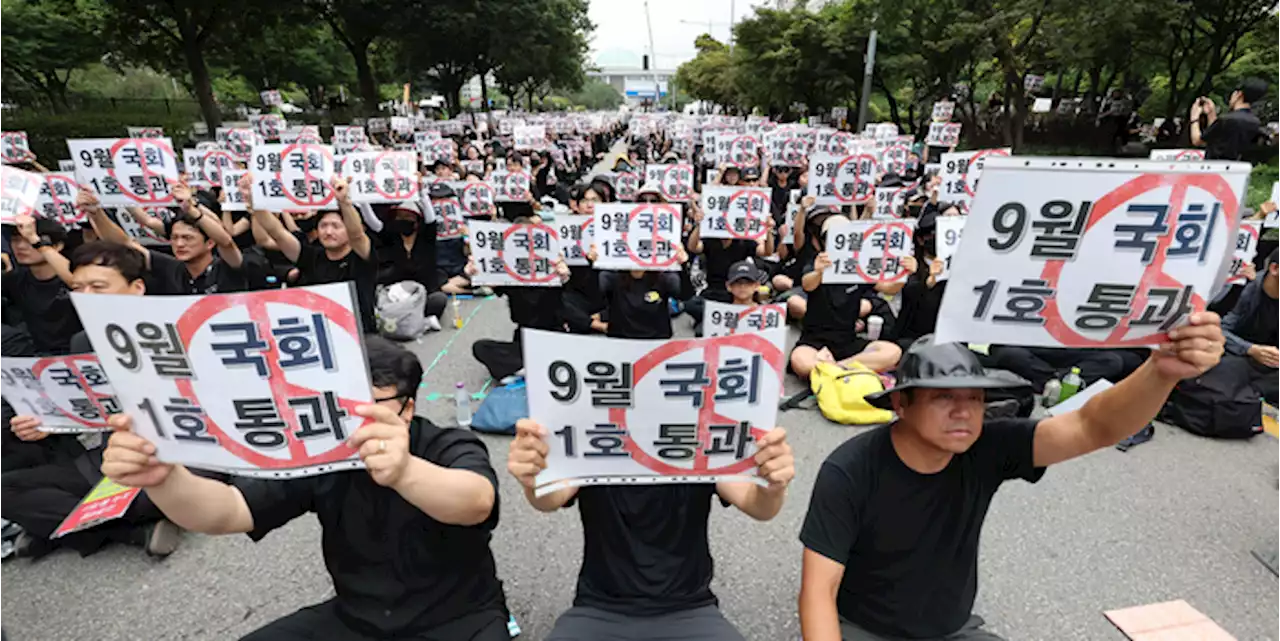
column 1070, row 384
column 1052, row 390
column 463, row 401
column 457, row 314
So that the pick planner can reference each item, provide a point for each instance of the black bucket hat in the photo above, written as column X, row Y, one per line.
column 927, row 365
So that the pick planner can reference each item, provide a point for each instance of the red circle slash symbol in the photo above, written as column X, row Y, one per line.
column 750, row 197
column 72, row 364
column 530, row 233
column 859, row 184
column 653, row 212
column 397, row 179
column 153, row 181
column 308, row 153
column 887, row 229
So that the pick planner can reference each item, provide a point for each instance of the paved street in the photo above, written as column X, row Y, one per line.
column 1173, row 519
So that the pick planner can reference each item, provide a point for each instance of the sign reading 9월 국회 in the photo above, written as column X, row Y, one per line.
column 256, row 383
column 842, row 179
column 381, row 176
column 661, row 411
column 289, row 177
column 1068, row 252
column 734, row 212
column 126, row 172
column 864, row 251
column 506, row 254
column 640, row 236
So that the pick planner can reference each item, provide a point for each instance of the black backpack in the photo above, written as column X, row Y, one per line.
column 1221, row 403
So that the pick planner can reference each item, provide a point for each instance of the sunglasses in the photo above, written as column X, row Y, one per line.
column 403, row 398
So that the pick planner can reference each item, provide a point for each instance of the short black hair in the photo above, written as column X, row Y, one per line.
column 391, row 365
column 104, row 253
column 516, row 157
column 577, row 191
column 1253, row 89
column 168, row 227
column 52, row 230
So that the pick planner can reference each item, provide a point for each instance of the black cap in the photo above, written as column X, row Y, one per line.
column 943, row 366
column 750, row 173
column 744, row 270
column 440, row 190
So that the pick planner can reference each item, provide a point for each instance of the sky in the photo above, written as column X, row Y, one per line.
column 621, row 37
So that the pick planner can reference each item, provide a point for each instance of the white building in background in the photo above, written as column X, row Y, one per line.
column 635, row 83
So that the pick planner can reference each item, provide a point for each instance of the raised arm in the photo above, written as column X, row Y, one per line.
column 813, row 279
column 351, row 219
column 695, row 237
column 147, row 220
column 288, row 244
column 209, row 224
column 61, row 266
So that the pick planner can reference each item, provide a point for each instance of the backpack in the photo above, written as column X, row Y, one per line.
column 501, row 409
column 1221, row 403
column 401, row 310
column 842, row 394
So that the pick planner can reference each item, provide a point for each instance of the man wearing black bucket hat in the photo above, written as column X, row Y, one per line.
column 891, row 537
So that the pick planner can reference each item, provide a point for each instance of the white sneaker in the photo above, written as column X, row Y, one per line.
column 433, row 323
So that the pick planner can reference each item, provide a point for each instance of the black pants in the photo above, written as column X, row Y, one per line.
column 321, row 622
column 40, row 498
column 437, row 302
column 501, row 358
column 1039, row 364
column 577, row 311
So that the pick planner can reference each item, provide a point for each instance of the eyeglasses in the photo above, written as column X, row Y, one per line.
column 403, row 398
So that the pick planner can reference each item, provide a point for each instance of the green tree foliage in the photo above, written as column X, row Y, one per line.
column 709, row 75
column 543, row 47
column 595, row 94
column 45, row 42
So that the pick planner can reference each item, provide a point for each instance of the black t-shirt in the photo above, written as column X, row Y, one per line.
column 316, row 268
column 535, row 307
column 170, row 276
column 395, row 569
column 1232, row 134
column 645, row 549
column 909, row 541
column 833, row 310
column 584, row 280
column 46, row 307
column 415, row 264
column 451, row 257
column 718, row 258
column 920, row 305
column 638, row 308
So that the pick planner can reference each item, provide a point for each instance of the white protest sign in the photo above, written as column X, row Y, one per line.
column 58, row 199
column 19, row 192
column 724, row 319
column 1177, row 154
column 1042, row 105
column 231, row 198
column 739, row 150
column 947, row 240
column 399, row 125
column 378, row 125
column 475, row 198
column 942, row 111
column 674, row 181
column 842, row 180
column 309, row 134
column 449, row 216
column 381, row 176
column 788, row 231
column 292, row 177
column 960, row 173
column 1032, row 83
column 126, row 171
column 893, row 153
column 422, row 140
column 625, row 185
column 443, row 150
column 839, row 113
column 217, row 161
column 348, row 138
column 943, row 134
column 1275, row 193
column 865, row 251
column 253, row 383
column 891, row 200
column 1062, row 252
column 145, row 132
column 786, row 148
column 662, row 411
column 473, row 167
column 843, row 143
column 642, row 236
column 267, row 126
column 193, row 166
column 576, row 237
column 1245, row 248
column 511, row 187
column 530, row 137
column 271, row 97
column 14, row 147
column 67, row 393
column 735, row 212
column 507, row 254
column 136, row 230
column 67, row 165
column 883, row 130
column 238, row 140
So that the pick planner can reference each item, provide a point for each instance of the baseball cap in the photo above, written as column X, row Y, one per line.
column 744, row 270
column 440, row 190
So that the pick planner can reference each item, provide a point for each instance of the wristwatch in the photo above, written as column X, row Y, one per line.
column 41, row 244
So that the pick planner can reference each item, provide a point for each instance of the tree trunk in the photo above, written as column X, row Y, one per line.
column 1075, row 84
column 364, row 73
column 200, row 82
column 1057, row 89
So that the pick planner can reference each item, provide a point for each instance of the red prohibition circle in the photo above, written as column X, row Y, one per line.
column 662, row 183
column 857, row 180
column 764, row 312
column 706, row 413
column 281, row 389
column 733, row 144
column 147, row 173
column 1154, row 274
column 220, row 160
column 626, row 185
column 888, row 227
column 893, row 197
column 968, row 188
column 12, row 140
column 77, row 216
column 94, row 397
column 450, row 228
column 902, row 163
column 307, row 178
column 793, row 150
column 844, row 139
column 528, row 229
column 658, row 208
column 749, row 217
column 484, row 207
column 523, row 185
column 395, row 176
column 1253, row 231
column 1189, row 154
column 237, row 144
column 582, row 236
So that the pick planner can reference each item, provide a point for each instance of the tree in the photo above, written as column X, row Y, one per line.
column 293, row 52
column 449, row 63
column 709, row 75
column 358, row 25
column 595, row 95
column 544, row 46
column 782, row 57
column 45, row 41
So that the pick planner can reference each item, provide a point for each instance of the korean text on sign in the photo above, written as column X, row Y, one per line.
column 947, row 240
column 530, row 137
column 449, row 220
column 645, row 236
column 255, row 383
column 1177, row 155
column 734, row 212
column 476, row 198
column 943, row 134
column 511, row 187
column 126, row 171
column 19, row 192
column 231, row 198
column 674, row 181
column 1074, row 253
column 576, row 238
column 723, row 319
column 68, row 393
column 381, row 176
column 960, row 173
column 869, row 251
column 292, row 177
column 348, row 138
column 630, row 412
column 842, row 180
column 58, row 198
column 510, row 254
column 1245, row 248
column 14, row 147
column 238, row 140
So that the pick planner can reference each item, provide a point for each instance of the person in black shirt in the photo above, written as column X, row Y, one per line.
column 717, row 255
column 646, row 567
column 636, row 300
column 583, row 302
column 409, row 254
column 343, row 253
column 406, row 540
column 1229, row 136
column 891, row 535
column 39, row 285
column 922, row 294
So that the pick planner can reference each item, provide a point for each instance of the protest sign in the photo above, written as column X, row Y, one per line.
column 267, row 126
column 890, row 201
column 14, row 147
column 57, row 199
column 400, row 125
column 67, row 165
column 530, row 137
column 625, row 185
column 674, row 181
column 960, row 173
column 378, row 125
column 136, row 230
column 449, row 216
column 475, row 198
column 946, row 241
column 1245, row 248
column 381, row 176
column 943, row 134
column 474, row 167
column 864, row 251
column 842, row 143
column 739, row 150
column 19, row 193
column 842, row 180
column 643, row 236
column 507, row 254
column 511, row 187
column 1080, row 253
column 217, row 161
column 293, row 177
column 271, row 97
column 238, row 140
column 942, row 111
column 126, row 171
column 735, row 212
column 145, row 132
column 883, row 130
column 576, row 237
column 443, row 150
column 1032, row 83
column 258, row 383
column 1177, row 154
column 724, row 319
column 893, row 154
column 309, row 134
column 231, row 198
column 839, row 113
column 660, row 411
column 788, row 231
column 1042, row 105
column 348, row 138
column 107, row 501
column 193, row 167
column 422, row 140
column 67, row 393
column 786, row 149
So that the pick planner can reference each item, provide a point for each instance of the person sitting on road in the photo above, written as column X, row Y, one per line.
column 717, row 255
column 409, row 254
column 647, row 568
column 1251, row 330
column 1041, row 364
column 891, row 535
column 39, row 286
column 406, row 540
column 583, row 302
